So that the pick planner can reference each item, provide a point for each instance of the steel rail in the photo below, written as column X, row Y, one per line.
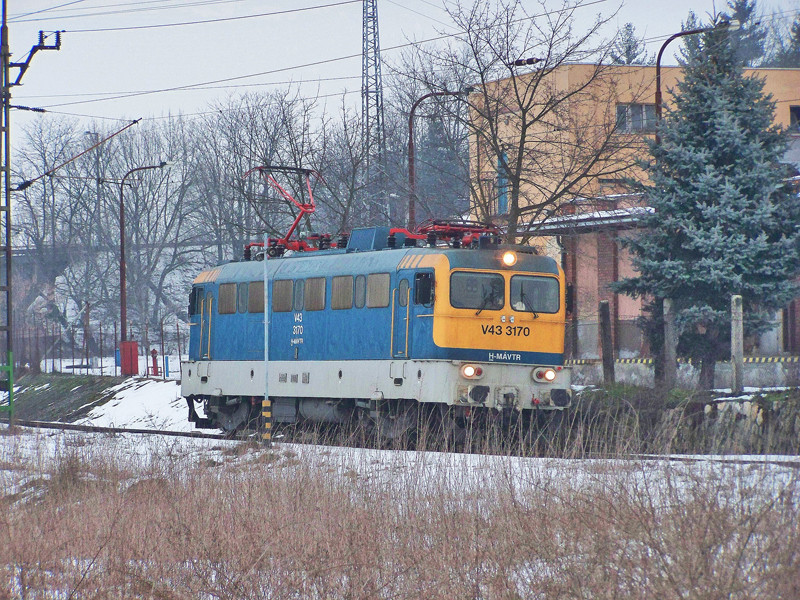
column 98, row 429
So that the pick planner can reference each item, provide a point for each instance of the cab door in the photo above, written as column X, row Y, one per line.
column 206, row 307
column 401, row 315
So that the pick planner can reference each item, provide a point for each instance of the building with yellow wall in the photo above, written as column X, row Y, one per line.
column 582, row 224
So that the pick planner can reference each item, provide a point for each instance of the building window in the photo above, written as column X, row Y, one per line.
column 794, row 119
column 636, row 117
column 227, row 299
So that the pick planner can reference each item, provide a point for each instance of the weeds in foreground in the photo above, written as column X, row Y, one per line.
column 337, row 523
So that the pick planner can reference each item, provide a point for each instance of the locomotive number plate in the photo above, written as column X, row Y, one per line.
column 508, row 330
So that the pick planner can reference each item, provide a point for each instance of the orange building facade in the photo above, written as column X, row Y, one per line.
column 584, row 231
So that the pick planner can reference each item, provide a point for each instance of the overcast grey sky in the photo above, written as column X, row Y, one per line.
column 98, row 69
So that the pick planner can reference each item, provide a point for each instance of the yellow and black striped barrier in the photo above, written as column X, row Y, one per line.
column 649, row 361
column 266, row 422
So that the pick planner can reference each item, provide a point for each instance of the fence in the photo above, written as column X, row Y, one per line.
column 46, row 346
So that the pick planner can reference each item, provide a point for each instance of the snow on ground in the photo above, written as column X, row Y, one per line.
column 143, row 404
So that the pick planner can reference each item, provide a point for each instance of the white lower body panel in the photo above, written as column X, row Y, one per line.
column 434, row 381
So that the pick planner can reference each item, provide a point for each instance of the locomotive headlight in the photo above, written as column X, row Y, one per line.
column 471, row 372
column 509, row 258
column 544, row 375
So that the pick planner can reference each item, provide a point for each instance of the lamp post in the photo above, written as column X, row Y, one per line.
column 412, row 174
column 733, row 25
column 123, row 308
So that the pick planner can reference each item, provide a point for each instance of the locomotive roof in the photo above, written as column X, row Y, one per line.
column 341, row 262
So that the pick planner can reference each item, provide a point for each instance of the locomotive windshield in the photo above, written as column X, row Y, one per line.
column 481, row 291
column 534, row 294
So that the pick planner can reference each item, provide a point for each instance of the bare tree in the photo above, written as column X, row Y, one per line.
column 43, row 213
column 540, row 136
column 251, row 130
column 340, row 159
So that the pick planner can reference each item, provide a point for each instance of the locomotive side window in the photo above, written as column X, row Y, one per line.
column 196, row 301
column 482, row 291
column 282, row 296
column 423, row 288
column 402, row 292
column 534, row 294
column 227, row 299
column 242, row 300
column 342, row 292
column 299, row 289
column 315, row 294
column 361, row 291
column 255, row 293
column 377, row 290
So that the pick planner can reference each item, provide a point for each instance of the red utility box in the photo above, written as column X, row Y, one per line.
column 129, row 358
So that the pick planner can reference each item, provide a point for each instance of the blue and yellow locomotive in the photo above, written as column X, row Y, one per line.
column 382, row 328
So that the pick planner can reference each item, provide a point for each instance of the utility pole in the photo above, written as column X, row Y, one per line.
column 372, row 118
column 6, row 316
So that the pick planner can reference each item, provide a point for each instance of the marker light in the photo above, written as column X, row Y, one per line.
column 509, row 258
column 471, row 372
column 544, row 375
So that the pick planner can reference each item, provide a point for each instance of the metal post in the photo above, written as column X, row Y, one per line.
column 163, row 354
column 670, row 346
column 266, row 404
column 737, row 344
column 5, row 207
column 86, row 339
column 101, row 348
column 123, row 301
column 607, row 345
column 732, row 25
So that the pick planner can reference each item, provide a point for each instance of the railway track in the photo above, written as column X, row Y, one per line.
column 98, row 429
column 721, row 459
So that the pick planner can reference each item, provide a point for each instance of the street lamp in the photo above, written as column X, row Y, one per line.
column 412, row 174
column 733, row 25
column 123, row 309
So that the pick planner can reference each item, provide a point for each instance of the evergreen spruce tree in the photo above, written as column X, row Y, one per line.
column 749, row 38
column 786, row 48
column 724, row 221
column 629, row 49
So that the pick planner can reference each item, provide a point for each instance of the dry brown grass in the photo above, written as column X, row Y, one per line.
column 283, row 524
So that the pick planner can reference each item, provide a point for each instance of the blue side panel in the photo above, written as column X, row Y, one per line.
column 350, row 334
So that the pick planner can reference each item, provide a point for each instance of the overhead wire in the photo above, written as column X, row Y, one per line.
column 44, row 10
column 294, row 67
column 205, row 21
column 160, row 5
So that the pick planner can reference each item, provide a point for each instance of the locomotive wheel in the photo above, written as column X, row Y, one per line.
column 452, row 429
column 396, row 428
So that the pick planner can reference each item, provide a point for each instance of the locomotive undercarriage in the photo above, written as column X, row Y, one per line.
column 393, row 421
column 499, row 396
